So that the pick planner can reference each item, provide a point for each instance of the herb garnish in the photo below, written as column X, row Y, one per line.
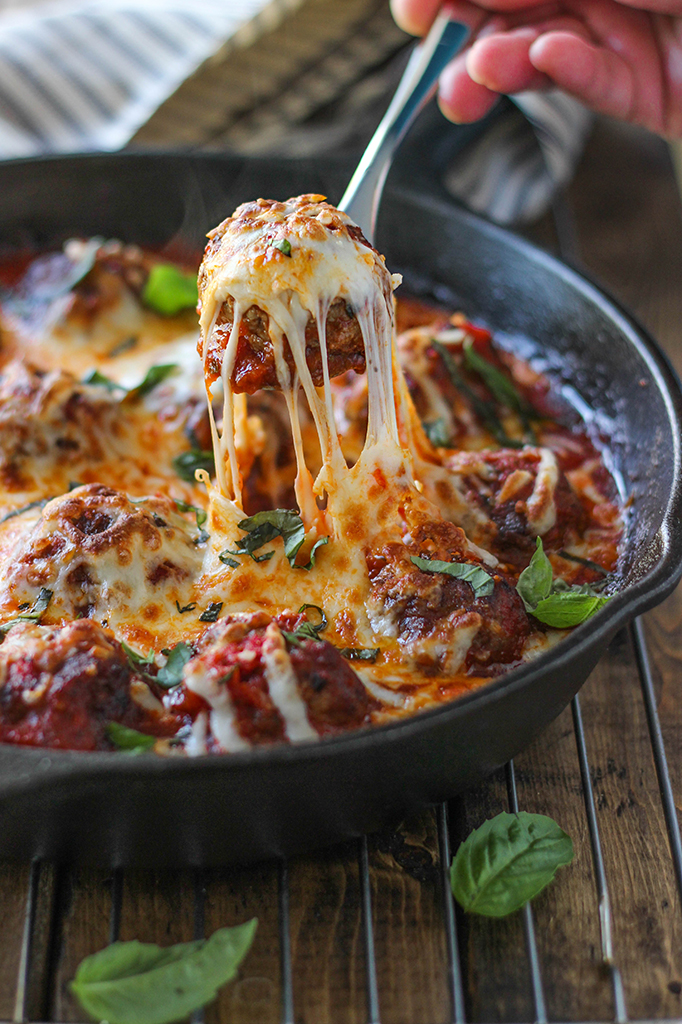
column 485, row 410
column 185, row 608
column 212, row 612
column 307, row 630
column 177, row 657
column 187, row 463
column 129, row 739
column 39, row 503
column 226, row 558
column 136, row 659
column 500, row 387
column 437, row 433
column 168, row 290
column 581, row 561
column 479, row 579
column 154, row 376
column 359, row 653
column 34, row 615
column 279, row 522
column 554, row 602
column 508, row 861
column 284, row 246
column 200, row 514
column 141, row 983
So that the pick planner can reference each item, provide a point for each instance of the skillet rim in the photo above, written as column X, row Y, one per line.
column 653, row 586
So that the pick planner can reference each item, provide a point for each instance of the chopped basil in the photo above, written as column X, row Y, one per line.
column 265, row 557
column 284, row 246
column 73, row 484
column 479, row 579
column 226, row 559
column 187, row 463
column 484, row 410
column 307, row 630
column 359, row 653
column 177, row 657
column 141, row 983
column 154, row 376
column 554, row 602
column 508, row 861
column 437, row 433
column 124, row 346
column 499, row 386
column 320, row 543
column 129, row 739
column 185, row 608
column 581, row 561
column 212, row 612
column 39, row 503
column 95, row 377
column 34, row 615
column 136, row 659
column 169, row 290
column 201, row 515
column 265, row 526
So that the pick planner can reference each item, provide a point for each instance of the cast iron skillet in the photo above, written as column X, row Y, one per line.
column 120, row 809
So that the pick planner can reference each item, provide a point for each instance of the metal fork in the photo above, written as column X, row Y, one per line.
column 363, row 195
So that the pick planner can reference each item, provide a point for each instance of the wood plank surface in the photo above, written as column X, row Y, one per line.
column 628, row 226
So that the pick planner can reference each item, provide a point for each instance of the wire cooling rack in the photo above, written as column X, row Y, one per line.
column 30, row 973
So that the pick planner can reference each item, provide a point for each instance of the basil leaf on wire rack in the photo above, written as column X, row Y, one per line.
column 141, row 983
column 507, row 861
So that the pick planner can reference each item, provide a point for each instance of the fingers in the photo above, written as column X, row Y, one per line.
column 461, row 99
column 501, row 62
column 415, row 16
column 596, row 76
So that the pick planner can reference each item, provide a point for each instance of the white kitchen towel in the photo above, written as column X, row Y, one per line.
column 291, row 77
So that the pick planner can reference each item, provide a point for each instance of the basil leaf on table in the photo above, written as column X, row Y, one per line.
column 169, row 290
column 554, row 602
column 482, row 583
column 141, row 983
column 508, row 861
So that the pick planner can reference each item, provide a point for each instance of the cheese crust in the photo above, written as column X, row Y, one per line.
column 349, row 549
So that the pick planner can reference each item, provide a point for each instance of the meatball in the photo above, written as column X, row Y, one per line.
column 62, row 687
column 279, row 270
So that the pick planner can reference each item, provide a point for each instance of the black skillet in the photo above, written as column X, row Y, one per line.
column 119, row 809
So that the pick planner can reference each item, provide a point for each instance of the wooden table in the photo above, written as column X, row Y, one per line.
column 337, row 943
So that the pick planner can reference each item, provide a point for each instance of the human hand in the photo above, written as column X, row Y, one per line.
column 620, row 57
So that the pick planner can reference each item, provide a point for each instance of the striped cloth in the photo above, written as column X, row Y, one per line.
column 287, row 77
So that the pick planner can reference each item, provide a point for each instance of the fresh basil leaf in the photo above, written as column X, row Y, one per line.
column 535, row 582
column 555, row 602
column 265, row 557
column 169, row 290
column 129, row 739
column 137, row 659
column 484, row 410
column 39, row 503
column 212, row 612
column 226, row 559
column 34, row 615
column 187, row 463
column 140, row 983
column 95, row 377
column 265, row 526
column 500, row 387
column 171, row 673
column 567, row 608
column 479, row 579
column 508, row 861
column 437, row 433
column 124, row 346
column 152, row 378
column 359, row 653
column 284, row 246
column 185, row 608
